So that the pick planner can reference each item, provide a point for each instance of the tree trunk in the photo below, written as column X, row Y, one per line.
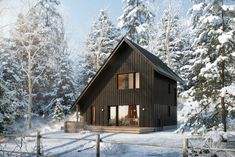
column 167, row 41
column 224, row 111
column 30, row 88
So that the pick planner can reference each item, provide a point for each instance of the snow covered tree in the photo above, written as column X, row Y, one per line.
column 13, row 100
column 171, row 44
column 65, row 83
column 58, row 113
column 27, row 52
column 101, row 40
column 213, row 67
column 137, row 20
column 39, row 42
column 168, row 41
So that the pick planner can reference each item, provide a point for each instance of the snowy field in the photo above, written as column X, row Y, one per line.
column 60, row 144
column 75, row 148
column 71, row 147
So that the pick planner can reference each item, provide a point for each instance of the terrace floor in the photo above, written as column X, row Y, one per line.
column 120, row 129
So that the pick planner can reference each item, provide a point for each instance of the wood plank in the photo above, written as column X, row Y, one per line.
column 134, row 130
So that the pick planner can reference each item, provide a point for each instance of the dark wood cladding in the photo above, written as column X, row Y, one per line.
column 152, row 96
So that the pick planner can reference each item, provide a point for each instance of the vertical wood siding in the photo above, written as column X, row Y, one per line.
column 152, row 95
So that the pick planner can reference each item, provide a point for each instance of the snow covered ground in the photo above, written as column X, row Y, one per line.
column 75, row 148
column 70, row 148
column 55, row 142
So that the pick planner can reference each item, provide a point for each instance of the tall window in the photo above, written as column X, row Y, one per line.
column 137, row 80
column 93, row 115
column 128, row 81
column 112, row 115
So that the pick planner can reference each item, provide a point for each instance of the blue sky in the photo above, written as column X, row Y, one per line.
column 78, row 14
column 81, row 13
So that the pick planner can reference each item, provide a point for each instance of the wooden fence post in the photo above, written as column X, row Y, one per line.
column 98, row 145
column 185, row 148
column 38, row 149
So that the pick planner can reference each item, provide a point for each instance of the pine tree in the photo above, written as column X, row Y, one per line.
column 137, row 21
column 65, row 83
column 58, row 113
column 101, row 41
column 213, row 67
column 12, row 97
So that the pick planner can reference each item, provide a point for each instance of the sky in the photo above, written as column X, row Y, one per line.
column 78, row 15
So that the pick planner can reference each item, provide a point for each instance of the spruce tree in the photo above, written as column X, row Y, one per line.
column 65, row 84
column 100, row 42
column 213, row 67
column 58, row 113
column 137, row 21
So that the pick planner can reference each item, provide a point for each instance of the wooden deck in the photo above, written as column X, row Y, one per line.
column 120, row 129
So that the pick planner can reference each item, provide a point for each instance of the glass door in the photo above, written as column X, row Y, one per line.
column 128, row 115
column 113, row 115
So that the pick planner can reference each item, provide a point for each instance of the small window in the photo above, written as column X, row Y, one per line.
column 137, row 80
column 123, row 81
column 169, row 111
column 169, row 88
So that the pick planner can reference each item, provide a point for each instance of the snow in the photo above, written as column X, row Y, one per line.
column 74, row 148
column 197, row 9
column 225, row 37
column 229, row 8
column 213, row 20
column 228, row 90
column 60, row 144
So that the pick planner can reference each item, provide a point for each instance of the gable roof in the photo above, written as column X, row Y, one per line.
column 157, row 64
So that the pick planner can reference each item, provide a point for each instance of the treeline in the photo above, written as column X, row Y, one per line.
column 36, row 72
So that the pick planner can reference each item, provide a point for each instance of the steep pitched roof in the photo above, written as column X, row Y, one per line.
column 157, row 64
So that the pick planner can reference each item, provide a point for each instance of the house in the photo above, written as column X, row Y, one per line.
column 133, row 89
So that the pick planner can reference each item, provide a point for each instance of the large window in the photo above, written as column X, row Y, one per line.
column 128, row 115
column 128, row 81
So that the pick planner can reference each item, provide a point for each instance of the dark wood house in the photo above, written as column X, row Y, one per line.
column 133, row 88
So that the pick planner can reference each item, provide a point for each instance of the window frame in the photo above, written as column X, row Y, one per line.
column 133, row 83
